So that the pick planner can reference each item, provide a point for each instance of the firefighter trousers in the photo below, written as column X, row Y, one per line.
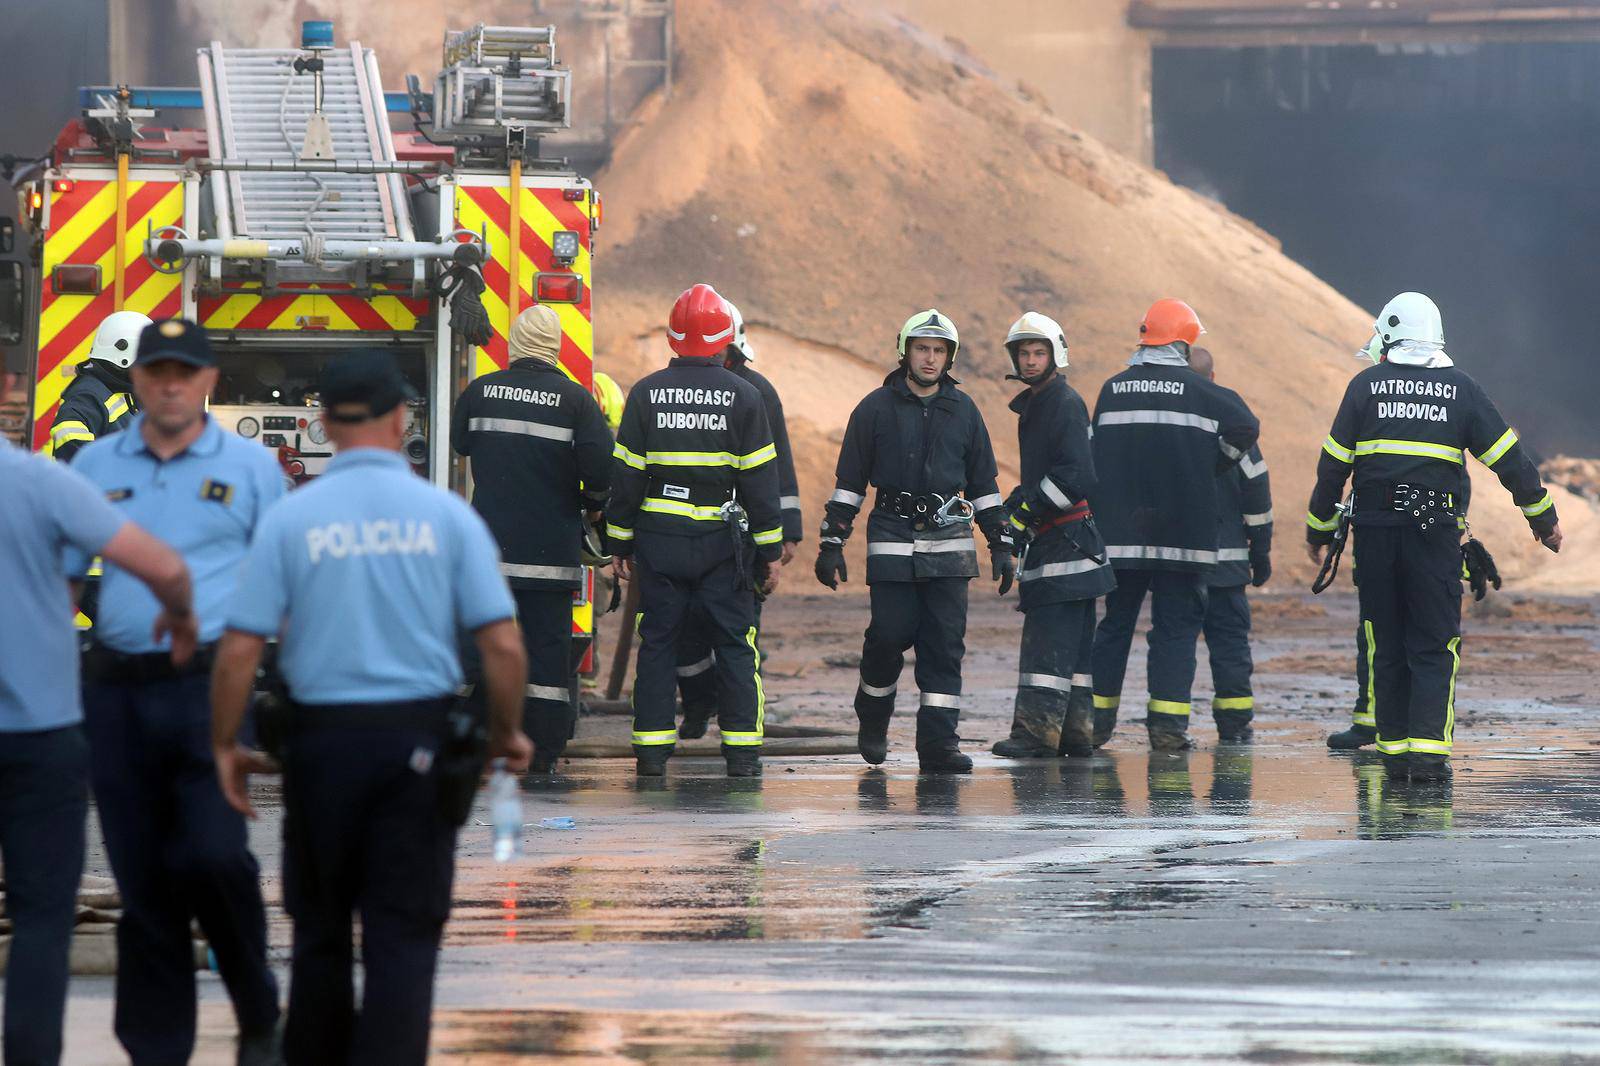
column 1411, row 598
column 1177, row 615
column 1053, row 670
column 1365, row 712
column 1227, row 631
column 929, row 616
column 697, row 676
column 549, row 716
column 685, row 580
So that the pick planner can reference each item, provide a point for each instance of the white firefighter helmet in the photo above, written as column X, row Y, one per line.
column 741, row 340
column 930, row 323
column 1411, row 316
column 117, row 340
column 1033, row 326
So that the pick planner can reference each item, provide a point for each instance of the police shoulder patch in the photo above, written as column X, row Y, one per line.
column 217, row 492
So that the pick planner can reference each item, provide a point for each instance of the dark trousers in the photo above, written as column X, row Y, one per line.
column 44, row 797
column 363, row 834
column 1227, row 630
column 1411, row 596
column 694, row 580
column 930, row 616
column 698, row 687
column 544, row 617
column 1057, row 642
column 178, row 851
column 1177, row 614
column 1365, row 712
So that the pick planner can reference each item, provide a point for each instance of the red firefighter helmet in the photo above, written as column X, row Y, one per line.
column 1167, row 321
column 701, row 325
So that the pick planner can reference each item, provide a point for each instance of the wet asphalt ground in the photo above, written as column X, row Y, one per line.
column 1261, row 903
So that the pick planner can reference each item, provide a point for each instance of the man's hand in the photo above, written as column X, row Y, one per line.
column 788, row 553
column 1552, row 539
column 830, row 569
column 1003, row 568
column 235, row 764
column 184, row 631
column 623, row 566
column 1261, row 569
column 1315, row 551
column 769, row 580
column 514, row 747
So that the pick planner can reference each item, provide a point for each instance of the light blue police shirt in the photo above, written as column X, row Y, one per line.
column 205, row 502
column 368, row 575
column 45, row 509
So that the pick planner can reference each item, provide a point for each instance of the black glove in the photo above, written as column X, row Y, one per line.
column 1003, row 568
column 1260, row 569
column 1481, row 571
column 830, row 565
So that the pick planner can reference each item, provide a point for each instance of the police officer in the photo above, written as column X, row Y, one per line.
column 1403, row 430
column 921, row 442
column 697, row 681
column 44, row 759
column 1244, row 557
column 368, row 576
column 541, row 469
column 177, row 850
column 1162, row 433
column 1064, row 566
column 99, row 400
column 693, row 454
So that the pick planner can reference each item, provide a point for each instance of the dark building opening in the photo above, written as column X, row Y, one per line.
column 1470, row 172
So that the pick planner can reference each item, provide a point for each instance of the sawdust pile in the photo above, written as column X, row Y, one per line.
column 832, row 170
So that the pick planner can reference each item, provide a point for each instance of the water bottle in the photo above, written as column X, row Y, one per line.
column 505, row 812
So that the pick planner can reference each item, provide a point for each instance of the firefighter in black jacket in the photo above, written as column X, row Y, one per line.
column 921, row 442
column 99, row 400
column 1162, row 434
column 541, row 463
column 1403, row 430
column 697, row 680
column 1064, row 567
column 695, row 483
column 1244, row 557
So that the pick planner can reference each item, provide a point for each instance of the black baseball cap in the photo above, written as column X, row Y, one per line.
column 175, row 339
column 362, row 385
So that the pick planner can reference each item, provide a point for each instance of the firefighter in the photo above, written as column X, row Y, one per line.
column 608, row 394
column 696, row 475
column 541, row 469
column 921, row 442
column 697, row 683
column 1162, row 434
column 1244, row 557
column 1064, row 567
column 99, row 400
column 1403, row 431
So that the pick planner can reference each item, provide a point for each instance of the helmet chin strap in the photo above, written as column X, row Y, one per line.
column 912, row 374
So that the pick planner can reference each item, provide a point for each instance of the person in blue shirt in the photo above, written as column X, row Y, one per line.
column 178, row 851
column 368, row 576
column 44, row 760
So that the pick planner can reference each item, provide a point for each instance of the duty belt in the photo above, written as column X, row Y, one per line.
column 107, row 667
column 1426, row 505
column 1077, row 513
column 929, row 509
column 695, row 495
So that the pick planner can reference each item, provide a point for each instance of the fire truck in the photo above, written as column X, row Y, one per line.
column 295, row 223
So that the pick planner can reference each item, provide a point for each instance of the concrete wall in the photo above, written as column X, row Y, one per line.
column 1079, row 54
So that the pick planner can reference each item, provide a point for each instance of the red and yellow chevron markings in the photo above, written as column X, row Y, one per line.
column 306, row 305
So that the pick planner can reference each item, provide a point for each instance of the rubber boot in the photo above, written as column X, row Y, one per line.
column 1397, row 767
column 1433, row 769
column 1357, row 736
column 1233, row 727
column 544, row 762
column 651, row 761
column 872, row 738
column 742, row 761
column 1105, row 723
column 1035, row 729
column 695, row 721
column 943, row 757
column 1168, row 732
column 1077, row 730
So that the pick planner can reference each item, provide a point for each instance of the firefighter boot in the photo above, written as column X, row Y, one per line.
column 1432, row 769
column 1105, row 723
column 1035, row 729
column 651, row 761
column 1077, row 731
column 1357, row 736
column 1168, row 733
column 695, row 721
column 1233, row 726
column 943, row 757
column 544, row 762
column 1397, row 767
column 872, row 738
column 742, row 761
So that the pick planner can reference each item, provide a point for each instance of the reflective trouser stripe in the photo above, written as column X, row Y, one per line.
column 1082, row 680
column 1368, row 716
column 736, row 738
column 547, row 692
column 700, row 667
column 1429, row 747
column 655, row 738
column 1394, row 747
column 875, row 691
column 1169, row 707
column 1233, row 703
column 1060, row 684
column 941, row 699
column 1107, row 703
